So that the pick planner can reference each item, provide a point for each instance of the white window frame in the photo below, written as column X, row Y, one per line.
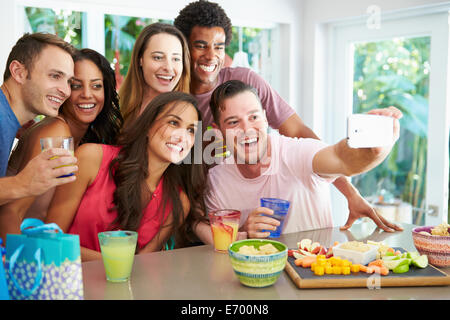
column 339, row 105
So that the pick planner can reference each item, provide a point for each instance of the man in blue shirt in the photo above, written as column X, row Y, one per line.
column 36, row 82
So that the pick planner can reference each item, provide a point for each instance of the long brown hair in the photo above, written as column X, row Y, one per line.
column 106, row 126
column 130, row 170
column 132, row 90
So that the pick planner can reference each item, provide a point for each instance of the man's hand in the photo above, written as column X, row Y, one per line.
column 42, row 172
column 359, row 208
column 256, row 222
column 392, row 112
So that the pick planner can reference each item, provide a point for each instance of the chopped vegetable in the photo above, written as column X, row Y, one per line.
column 421, row 261
column 402, row 268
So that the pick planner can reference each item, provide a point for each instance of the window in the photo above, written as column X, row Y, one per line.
column 66, row 24
column 121, row 33
column 404, row 63
column 396, row 72
column 256, row 44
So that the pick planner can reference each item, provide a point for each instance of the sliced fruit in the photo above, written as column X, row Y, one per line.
column 328, row 269
column 306, row 253
column 402, row 268
column 354, row 267
column 345, row 270
column 305, row 244
column 421, row 261
column 315, row 247
column 323, row 250
column 298, row 255
column 413, row 255
column 319, row 270
column 392, row 264
column 390, row 258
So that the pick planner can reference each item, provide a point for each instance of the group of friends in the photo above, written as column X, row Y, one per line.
column 134, row 164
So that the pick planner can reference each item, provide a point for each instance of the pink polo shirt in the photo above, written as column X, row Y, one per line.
column 290, row 177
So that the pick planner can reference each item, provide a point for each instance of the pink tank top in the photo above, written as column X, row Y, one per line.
column 93, row 214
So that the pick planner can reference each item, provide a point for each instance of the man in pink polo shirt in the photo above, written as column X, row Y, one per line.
column 270, row 165
column 207, row 28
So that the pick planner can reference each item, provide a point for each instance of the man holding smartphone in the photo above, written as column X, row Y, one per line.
column 208, row 31
column 268, row 165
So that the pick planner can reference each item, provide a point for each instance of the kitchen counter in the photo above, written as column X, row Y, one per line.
column 200, row 273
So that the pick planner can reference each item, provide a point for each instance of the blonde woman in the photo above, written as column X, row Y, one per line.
column 159, row 63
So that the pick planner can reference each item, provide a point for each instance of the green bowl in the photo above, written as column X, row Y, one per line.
column 258, row 270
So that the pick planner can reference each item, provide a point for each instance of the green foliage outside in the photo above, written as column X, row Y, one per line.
column 64, row 23
column 121, row 33
column 249, row 37
column 396, row 73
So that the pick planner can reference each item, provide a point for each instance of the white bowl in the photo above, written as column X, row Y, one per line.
column 356, row 257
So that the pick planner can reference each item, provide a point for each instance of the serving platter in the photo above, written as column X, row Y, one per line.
column 305, row 278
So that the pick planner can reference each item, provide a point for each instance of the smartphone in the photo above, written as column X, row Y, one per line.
column 369, row 130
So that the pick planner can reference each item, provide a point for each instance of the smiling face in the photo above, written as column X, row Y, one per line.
column 172, row 135
column 88, row 95
column 244, row 125
column 162, row 63
column 47, row 84
column 207, row 48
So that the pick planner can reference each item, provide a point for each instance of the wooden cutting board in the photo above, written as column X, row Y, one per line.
column 305, row 278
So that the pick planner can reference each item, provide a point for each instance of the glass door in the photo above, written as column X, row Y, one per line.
column 396, row 73
column 403, row 63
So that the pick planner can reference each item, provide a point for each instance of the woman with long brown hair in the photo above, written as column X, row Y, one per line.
column 149, row 183
column 159, row 63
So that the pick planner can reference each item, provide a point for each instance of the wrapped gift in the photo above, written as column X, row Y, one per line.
column 4, row 295
column 43, row 263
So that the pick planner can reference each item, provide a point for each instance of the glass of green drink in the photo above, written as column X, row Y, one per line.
column 118, row 249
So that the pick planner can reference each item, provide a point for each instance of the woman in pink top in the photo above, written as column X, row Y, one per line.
column 149, row 183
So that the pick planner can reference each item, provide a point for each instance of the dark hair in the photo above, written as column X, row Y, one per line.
column 227, row 90
column 204, row 14
column 106, row 126
column 29, row 46
column 132, row 90
column 130, row 170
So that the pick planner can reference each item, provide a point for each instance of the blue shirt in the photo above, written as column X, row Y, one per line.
column 9, row 125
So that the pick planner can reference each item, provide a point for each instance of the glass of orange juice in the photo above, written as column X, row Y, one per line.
column 224, row 227
column 58, row 142
column 118, row 249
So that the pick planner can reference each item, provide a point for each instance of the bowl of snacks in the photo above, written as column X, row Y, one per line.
column 434, row 241
column 258, row 262
column 356, row 252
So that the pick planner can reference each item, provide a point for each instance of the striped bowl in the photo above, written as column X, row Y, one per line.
column 437, row 248
column 258, row 270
